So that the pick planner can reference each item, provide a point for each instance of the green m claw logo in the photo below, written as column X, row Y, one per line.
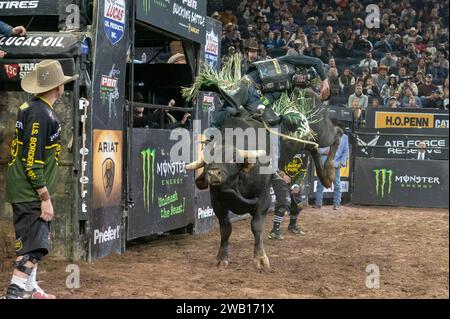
column 148, row 176
column 381, row 177
column 146, row 5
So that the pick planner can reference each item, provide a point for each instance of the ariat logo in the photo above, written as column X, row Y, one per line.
column 108, row 169
column 383, row 181
column 148, row 176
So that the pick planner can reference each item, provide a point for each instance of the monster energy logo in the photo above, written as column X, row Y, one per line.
column 146, row 5
column 148, row 174
column 380, row 181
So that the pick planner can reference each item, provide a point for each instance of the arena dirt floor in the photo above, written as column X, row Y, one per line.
column 410, row 247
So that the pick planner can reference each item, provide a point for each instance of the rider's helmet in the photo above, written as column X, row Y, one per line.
column 304, row 77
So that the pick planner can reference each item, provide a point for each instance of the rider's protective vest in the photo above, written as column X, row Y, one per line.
column 274, row 75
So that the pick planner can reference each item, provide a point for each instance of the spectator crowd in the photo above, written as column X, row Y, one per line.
column 395, row 56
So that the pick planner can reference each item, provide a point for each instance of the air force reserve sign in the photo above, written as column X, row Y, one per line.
column 114, row 20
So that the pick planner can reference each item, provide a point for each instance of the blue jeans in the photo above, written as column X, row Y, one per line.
column 337, row 190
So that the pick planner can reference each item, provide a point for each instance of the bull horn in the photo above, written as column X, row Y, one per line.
column 195, row 165
column 251, row 154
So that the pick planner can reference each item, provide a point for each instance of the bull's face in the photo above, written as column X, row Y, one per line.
column 223, row 168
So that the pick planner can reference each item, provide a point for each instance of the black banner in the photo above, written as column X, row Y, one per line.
column 15, row 70
column 399, row 182
column 110, row 65
column 186, row 18
column 42, row 45
column 406, row 118
column 30, row 7
column 162, row 190
column 108, row 102
column 378, row 143
column 212, row 46
column 340, row 113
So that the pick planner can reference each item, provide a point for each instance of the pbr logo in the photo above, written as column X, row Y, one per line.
column 148, row 176
column 108, row 172
column 383, row 181
column 114, row 20
column 109, row 90
column 12, row 70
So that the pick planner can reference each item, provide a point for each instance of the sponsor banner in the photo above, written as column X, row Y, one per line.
column 397, row 182
column 162, row 190
column 114, row 20
column 29, row 8
column 110, row 69
column 15, row 70
column 340, row 113
column 344, row 187
column 212, row 45
column 45, row 45
column 406, row 118
column 106, row 216
column 107, row 162
column 186, row 18
column 379, row 144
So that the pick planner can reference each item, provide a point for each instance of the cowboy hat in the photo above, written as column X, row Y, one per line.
column 311, row 19
column 215, row 14
column 392, row 27
column 253, row 45
column 174, row 58
column 47, row 76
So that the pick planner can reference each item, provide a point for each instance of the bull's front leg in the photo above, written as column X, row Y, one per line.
column 329, row 163
column 260, row 258
column 225, row 233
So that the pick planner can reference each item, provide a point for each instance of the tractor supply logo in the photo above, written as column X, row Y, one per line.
column 105, row 236
column 109, row 90
column 383, row 181
column 148, row 176
column 147, row 4
column 10, row 5
column 108, row 171
column 404, row 120
column 12, row 70
column 114, row 20
column 18, row 70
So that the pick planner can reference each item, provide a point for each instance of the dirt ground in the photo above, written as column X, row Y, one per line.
column 410, row 247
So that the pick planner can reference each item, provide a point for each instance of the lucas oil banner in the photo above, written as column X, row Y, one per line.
column 396, row 182
column 186, row 18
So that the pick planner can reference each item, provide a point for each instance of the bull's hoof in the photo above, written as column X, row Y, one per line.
column 222, row 263
column 262, row 262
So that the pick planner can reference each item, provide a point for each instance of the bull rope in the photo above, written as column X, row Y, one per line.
column 314, row 144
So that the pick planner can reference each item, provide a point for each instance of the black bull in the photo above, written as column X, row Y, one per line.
column 240, row 186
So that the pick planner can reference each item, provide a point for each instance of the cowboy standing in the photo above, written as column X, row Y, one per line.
column 32, row 173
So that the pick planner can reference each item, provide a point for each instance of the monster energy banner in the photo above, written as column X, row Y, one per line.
column 108, row 81
column 186, row 18
column 402, row 143
column 415, row 183
column 162, row 190
column 42, row 45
